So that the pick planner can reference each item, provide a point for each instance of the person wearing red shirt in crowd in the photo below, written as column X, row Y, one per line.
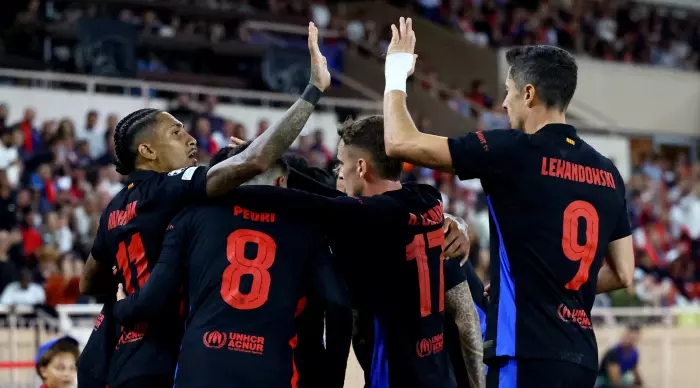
column 205, row 140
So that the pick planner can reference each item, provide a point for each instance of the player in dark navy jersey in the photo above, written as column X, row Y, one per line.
column 456, row 245
column 148, row 144
column 559, row 225
column 388, row 241
column 249, row 272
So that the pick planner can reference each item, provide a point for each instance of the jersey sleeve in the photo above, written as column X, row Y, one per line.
column 454, row 275
column 100, row 250
column 188, row 184
column 338, row 313
column 165, row 280
column 483, row 155
column 622, row 227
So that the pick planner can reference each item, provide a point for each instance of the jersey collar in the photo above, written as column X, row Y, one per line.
column 140, row 175
column 559, row 129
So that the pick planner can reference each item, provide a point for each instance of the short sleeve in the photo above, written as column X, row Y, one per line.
column 483, row 154
column 188, row 184
column 622, row 226
column 453, row 273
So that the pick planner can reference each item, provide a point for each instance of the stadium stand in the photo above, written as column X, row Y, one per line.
column 212, row 63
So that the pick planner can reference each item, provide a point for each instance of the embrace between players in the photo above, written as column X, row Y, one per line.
column 231, row 286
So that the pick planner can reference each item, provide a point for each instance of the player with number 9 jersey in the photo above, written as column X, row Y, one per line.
column 555, row 205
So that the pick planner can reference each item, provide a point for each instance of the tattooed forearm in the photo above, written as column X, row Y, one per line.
column 460, row 305
column 262, row 152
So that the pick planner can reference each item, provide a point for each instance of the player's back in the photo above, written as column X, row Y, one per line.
column 400, row 282
column 248, row 267
column 129, row 239
column 555, row 205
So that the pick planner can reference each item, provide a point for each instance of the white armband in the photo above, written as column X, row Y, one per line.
column 396, row 71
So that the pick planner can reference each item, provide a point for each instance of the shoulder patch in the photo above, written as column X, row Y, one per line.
column 189, row 173
column 176, row 172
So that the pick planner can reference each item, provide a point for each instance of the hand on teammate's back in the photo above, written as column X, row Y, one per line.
column 320, row 76
column 456, row 241
column 403, row 41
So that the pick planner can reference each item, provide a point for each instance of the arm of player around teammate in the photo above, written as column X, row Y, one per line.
column 460, row 305
column 456, row 238
column 618, row 269
column 97, row 278
column 336, row 299
column 163, row 285
column 271, row 144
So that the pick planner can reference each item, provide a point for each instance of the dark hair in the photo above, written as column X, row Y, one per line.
column 551, row 70
column 61, row 346
column 634, row 328
column 227, row 152
column 128, row 130
column 368, row 134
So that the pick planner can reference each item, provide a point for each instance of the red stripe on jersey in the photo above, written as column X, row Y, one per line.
column 295, row 374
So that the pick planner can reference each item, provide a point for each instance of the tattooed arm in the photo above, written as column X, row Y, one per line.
column 271, row 144
column 460, row 305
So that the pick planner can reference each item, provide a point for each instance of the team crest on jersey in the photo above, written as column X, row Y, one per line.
column 176, row 172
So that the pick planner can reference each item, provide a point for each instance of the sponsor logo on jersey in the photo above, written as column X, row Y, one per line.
column 236, row 342
column 431, row 345
column 215, row 339
column 574, row 316
column 136, row 334
column 176, row 172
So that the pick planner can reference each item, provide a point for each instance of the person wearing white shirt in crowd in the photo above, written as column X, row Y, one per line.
column 23, row 292
column 10, row 140
column 94, row 136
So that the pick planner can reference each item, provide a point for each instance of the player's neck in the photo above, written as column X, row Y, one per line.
column 380, row 187
column 151, row 166
column 541, row 117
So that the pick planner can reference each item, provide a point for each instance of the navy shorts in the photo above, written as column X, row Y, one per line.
column 529, row 373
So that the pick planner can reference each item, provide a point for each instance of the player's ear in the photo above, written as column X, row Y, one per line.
column 147, row 151
column 281, row 181
column 529, row 92
column 361, row 167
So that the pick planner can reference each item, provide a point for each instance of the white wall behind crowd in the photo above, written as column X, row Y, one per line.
column 59, row 104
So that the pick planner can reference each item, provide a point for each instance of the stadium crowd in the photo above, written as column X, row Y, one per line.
column 624, row 31
column 56, row 177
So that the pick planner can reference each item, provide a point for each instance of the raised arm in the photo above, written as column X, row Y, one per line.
column 271, row 144
column 402, row 138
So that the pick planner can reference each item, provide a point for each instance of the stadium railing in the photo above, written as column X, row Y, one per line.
column 669, row 345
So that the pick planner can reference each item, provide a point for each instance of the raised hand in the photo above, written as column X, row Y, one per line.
column 320, row 76
column 403, row 40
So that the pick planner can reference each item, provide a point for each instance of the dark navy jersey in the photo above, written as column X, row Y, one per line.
column 389, row 248
column 555, row 204
column 129, row 239
column 245, row 269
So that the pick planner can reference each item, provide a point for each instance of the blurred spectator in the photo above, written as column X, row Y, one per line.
column 29, row 133
column 23, row 292
column 10, row 142
column 215, row 122
column 618, row 368
column 55, row 363
column 203, row 135
column 262, row 126
column 93, row 135
column 55, row 233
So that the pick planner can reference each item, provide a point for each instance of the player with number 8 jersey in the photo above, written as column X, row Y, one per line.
column 148, row 144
